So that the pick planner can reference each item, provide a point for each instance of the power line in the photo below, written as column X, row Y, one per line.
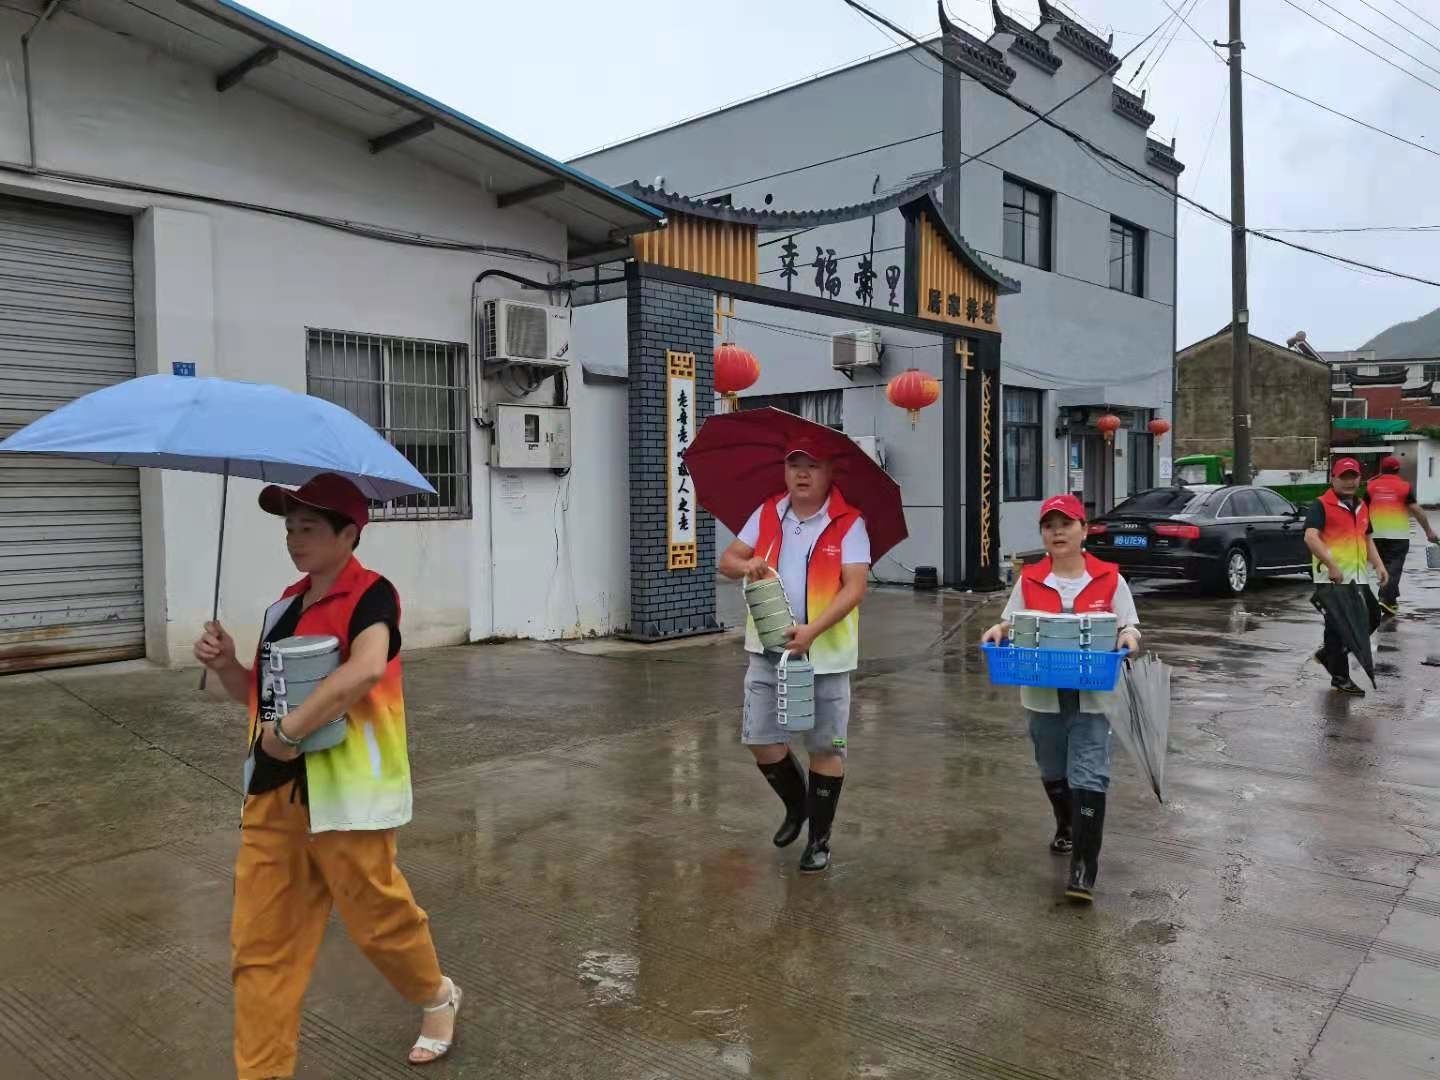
column 1402, row 26
column 1302, row 97
column 817, row 164
column 1343, row 116
column 1214, row 124
column 1357, row 229
column 1173, row 193
column 1384, row 59
column 382, row 233
column 1378, row 37
column 1175, row 33
column 1417, row 15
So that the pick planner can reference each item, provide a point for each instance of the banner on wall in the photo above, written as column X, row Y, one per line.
column 682, row 550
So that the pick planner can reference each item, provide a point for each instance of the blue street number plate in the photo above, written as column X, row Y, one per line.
column 1132, row 541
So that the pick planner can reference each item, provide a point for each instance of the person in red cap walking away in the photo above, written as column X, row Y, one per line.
column 319, row 829
column 1392, row 504
column 818, row 545
column 1342, row 549
column 1068, row 728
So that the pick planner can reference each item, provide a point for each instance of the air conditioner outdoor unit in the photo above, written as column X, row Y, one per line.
column 528, row 335
column 873, row 447
column 852, row 350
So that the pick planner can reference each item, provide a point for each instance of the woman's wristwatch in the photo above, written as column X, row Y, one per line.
column 285, row 740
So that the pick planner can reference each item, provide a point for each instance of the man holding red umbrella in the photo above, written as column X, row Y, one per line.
column 776, row 481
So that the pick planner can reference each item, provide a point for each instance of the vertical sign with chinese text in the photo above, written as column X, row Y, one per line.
column 679, row 432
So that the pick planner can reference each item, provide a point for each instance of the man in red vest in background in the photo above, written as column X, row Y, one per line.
column 1342, row 550
column 1392, row 504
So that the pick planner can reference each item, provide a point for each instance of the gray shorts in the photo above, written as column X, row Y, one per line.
column 761, row 727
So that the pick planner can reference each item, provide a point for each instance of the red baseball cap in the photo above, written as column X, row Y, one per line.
column 324, row 492
column 810, row 447
column 1345, row 465
column 1390, row 463
column 1068, row 505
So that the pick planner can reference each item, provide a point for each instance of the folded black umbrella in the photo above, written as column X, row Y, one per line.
column 1354, row 613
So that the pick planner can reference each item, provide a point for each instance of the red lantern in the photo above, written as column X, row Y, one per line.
column 736, row 369
column 912, row 391
column 1159, row 427
column 1108, row 425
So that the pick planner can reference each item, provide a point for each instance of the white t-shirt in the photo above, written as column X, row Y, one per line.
column 798, row 540
column 1070, row 590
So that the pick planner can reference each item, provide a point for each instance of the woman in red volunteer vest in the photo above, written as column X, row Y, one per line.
column 1068, row 728
column 817, row 543
column 319, row 829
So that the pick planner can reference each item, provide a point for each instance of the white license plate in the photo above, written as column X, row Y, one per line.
column 1132, row 541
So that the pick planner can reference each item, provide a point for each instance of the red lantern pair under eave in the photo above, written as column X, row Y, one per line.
column 736, row 369
column 912, row 391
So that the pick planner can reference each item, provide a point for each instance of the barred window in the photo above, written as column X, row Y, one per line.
column 417, row 395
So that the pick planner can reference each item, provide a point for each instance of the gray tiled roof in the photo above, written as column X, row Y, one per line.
column 978, row 58
column 784, row 220
column 1085, row 42
column 1131, row 106
column 1027, row 44
column 1162, row 156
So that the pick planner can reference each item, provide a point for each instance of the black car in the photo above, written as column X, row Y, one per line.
column 1219, row 536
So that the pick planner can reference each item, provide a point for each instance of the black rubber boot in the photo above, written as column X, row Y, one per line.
column 824, row 797
column 788, row 780
column 1058, row 792
column 1089, row 818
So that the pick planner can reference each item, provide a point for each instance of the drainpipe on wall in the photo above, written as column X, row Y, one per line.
column 25, row 63
column 1174, row 322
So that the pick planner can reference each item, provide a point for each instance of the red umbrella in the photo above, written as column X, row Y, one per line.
column 738, row 461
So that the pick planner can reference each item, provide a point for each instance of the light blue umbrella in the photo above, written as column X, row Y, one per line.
column 229, row 428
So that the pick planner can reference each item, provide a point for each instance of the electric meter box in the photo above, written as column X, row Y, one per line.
column 531, row 437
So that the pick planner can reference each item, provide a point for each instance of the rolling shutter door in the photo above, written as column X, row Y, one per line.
column 71, row 581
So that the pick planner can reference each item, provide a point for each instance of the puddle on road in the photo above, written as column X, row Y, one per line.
column 610, row 977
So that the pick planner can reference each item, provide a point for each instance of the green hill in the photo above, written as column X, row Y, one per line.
column 1418, row 337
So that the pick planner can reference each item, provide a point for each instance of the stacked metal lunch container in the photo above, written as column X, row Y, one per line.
column 1098, row 631
column 794, row 675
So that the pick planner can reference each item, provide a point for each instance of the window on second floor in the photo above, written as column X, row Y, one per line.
column 1027, row 224
column 1022, row 412
column 1127, row 258
column 1431, row 373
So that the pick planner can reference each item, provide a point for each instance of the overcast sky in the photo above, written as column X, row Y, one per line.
column 567, row 76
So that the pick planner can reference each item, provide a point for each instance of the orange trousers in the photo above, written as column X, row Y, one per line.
column 285, row 883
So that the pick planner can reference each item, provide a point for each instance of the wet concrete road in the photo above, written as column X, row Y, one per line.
column 593, row 848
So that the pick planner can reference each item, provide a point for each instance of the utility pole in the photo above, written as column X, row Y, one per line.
column 1239, row 302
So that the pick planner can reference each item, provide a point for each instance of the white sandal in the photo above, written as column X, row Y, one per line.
column 435, row 1046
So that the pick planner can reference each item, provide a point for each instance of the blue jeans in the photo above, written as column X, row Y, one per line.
column 1072, row 745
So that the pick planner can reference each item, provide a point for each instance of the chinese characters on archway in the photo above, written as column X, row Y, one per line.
column 682, row 552
column 829, row 282
column 937, row 303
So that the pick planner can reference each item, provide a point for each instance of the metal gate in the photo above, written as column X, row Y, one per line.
column 71, row 580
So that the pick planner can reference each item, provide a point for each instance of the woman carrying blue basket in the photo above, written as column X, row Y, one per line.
column 1068, row 727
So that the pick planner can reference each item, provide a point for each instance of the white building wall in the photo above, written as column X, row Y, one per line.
column 562, row 543
column 234, row 291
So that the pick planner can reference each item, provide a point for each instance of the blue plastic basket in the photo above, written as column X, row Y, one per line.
column 1059, row 669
